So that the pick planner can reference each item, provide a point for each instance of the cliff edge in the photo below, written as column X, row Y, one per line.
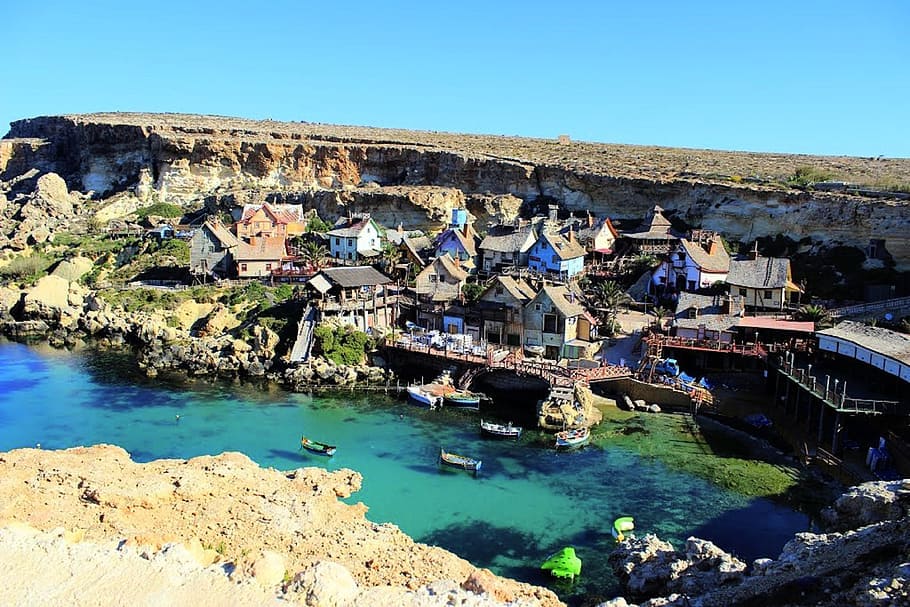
column 218, row 522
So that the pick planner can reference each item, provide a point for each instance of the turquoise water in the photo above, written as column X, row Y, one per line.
column 527, row 502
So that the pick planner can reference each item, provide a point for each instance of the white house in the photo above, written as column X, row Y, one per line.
column 354, row 237
column 696, row 263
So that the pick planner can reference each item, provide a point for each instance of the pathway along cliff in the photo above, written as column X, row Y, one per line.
column 417, row 177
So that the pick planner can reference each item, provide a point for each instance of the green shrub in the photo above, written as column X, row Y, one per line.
column 28, row 268
column 805, row 176
column 160, row 209
column 342, row 345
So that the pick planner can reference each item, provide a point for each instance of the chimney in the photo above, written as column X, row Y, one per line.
column 590, row 220
column 713, row 245
column 572, row 233
column 554, row 212
column 755, row 250
column 464, row 230
column 400, row 228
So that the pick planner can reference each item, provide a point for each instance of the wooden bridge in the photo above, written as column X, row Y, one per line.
column 511, row 360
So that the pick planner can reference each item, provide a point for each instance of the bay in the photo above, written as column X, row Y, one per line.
column 527, row 502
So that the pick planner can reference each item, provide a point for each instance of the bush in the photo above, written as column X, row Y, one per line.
column 27, row 268
column 805, row 176
column 342, row 345
column 160, row 209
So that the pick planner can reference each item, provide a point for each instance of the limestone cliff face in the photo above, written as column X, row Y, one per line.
column 415, row 178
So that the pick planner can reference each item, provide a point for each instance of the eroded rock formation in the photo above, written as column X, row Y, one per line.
column 417, row 177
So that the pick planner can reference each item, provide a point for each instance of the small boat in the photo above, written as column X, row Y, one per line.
column 535, row 350
column 563, row 564
column 623, row 523
column 500, row 430
column 317, row 447
column 423, row 397
column 573, row 438
column 459, row 461
column 463, row 399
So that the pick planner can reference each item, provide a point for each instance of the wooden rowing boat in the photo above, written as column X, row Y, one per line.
column 317, row 447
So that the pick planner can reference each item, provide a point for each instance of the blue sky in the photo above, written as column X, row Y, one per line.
column 816, row 77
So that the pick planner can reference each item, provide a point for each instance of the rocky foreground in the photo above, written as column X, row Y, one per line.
column 90, row 526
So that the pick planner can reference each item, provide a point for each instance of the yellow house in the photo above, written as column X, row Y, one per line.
column 764, row 283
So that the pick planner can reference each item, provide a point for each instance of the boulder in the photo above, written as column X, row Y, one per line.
column 73, row 269
column 324, row 584
column 268, row 568
column 9, row 298
column 868, row 503
column 47, row 299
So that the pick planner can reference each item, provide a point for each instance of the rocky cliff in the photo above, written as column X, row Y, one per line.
column 417, row 177
column 85, row 525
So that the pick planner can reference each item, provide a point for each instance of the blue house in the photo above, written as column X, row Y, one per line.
column 559, row 255
column 459, row 243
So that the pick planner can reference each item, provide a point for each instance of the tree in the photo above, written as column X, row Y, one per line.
column 660, row 313
column 314, row 254
column 390, row 257
column 816, row 314
column 609, row 296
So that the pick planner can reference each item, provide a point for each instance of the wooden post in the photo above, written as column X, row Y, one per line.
column 835, row 435
column 821, row 421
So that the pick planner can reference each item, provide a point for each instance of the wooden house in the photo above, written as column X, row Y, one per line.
column 764, row 282
column 212, row 249
column 459, row 242
column 502, row 307
column 260, row 258
column 359, row 296
column 695, row 263
column 441, row 280
column 506, row 247
column 654, row 237
column 708, row 317
column 354, row 238
column 557, row 255
column 271, row 221
column 595, row 235
column 556, row 321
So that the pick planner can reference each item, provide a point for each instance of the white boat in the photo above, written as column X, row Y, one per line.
column 500, row 430
column 572, row 438
column 423, row 397
column 535, row 350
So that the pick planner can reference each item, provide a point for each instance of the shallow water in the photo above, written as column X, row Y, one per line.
column 528, row 500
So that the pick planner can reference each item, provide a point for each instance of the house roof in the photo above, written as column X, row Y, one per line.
column 518, row 289
column 467, row 241
column 222, row 234
column 454, row 270
column 356, row 276
column 719, row 261
column 709, row 312
column 761, row 273
column 563, row 299
column 881, row 341
column 512, row 242
column 408, row 244
column 563, row 247
column 351, row 227
column 585, row 232
column 265, row 250
column 656, row 227
column 281, row 213
column 397, row 235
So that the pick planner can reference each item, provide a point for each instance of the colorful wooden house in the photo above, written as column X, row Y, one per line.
column 557, row 255
column 556, row 321
column 212, row 249
column 271, row 221
column 355, row 237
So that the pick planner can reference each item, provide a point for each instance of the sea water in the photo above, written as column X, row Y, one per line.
column 527, row 501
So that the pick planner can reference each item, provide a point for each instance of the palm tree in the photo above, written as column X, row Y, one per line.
column 314, row 254
column 817, row 314
column 609, row 296
column 391, row 255
column 660, row 314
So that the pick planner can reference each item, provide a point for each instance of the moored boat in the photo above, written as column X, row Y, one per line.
column 317, row 447
column 572, row 438
column 563, row 564
column 500, row 430
column 459, row 461
column 422, row 397
column 462, row 399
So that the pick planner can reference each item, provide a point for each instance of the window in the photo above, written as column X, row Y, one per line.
column 268, row 266
column 681, row 256
column 555, row 260
column 350, row 255
column 549, row 323
column 544, row 245
column 499, row 290
column 691, row 286
column 350, row 242
column 742, row 292
column 337, row 241
column 769, row 294
column 243, row 267
column 211, row 248
column 432, row 278
column 537, row 307
column 513, row 339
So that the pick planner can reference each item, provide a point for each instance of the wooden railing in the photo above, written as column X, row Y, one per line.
column 749, row 349
column 896, row 303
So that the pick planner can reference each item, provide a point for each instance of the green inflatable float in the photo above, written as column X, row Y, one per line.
column 623, row 523
column 563, row 564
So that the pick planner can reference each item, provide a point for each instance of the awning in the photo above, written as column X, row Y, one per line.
column 320, row 283
column 774, row 324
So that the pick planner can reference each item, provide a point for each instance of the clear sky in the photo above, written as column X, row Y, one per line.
column 817, row 77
